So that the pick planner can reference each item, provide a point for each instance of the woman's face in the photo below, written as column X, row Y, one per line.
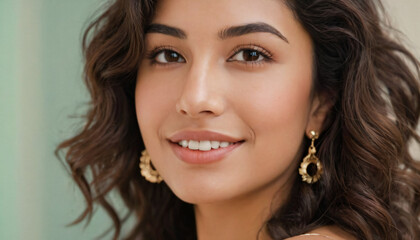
column 237, row 71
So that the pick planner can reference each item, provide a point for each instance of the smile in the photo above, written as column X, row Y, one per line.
column 200, row 147
column 198, row 156
column 205, row 145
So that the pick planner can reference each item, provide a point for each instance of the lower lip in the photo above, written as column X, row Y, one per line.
column 202, row 157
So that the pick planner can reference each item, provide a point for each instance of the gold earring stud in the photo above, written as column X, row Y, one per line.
column 147, row 170
column 311, row 168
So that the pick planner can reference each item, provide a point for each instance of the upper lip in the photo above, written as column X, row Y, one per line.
column 202, row 135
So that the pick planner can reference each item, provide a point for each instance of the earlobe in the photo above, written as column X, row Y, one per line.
column 321, row 106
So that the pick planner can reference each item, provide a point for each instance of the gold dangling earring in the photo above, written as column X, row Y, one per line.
column 146, row 169
column 311, row 161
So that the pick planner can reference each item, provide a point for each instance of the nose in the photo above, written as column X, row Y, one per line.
column 203, row 92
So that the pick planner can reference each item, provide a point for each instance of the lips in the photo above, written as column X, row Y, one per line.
column 196, row 156
column 201, row 136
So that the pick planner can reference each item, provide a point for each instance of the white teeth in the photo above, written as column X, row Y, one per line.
column 204, row 145
column 184, row 143
column 215, row 144
column 193, row 145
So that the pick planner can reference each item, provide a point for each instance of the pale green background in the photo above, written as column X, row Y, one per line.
column 40, row 86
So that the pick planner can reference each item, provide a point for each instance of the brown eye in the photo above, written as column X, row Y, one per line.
column 168, row 56
column 248, row 55
column 251, row 55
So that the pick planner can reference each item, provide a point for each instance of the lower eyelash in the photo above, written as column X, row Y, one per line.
column 255, row 64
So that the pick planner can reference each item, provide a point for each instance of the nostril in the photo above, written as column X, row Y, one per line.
column 199, row 108
column 207, row 111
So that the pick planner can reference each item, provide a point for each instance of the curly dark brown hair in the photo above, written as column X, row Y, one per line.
column 371, row 183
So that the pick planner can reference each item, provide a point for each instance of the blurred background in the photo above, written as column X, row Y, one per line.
column 40, row 90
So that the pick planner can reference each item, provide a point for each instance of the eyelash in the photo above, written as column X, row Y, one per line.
column 267, row 56
column 151, row 55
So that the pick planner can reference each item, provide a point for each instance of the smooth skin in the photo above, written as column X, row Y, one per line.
column 254, row 85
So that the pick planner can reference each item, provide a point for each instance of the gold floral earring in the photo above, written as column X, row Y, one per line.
column 147, row 170
column 310, row 162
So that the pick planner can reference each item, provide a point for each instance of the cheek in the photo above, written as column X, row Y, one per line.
column 284, row 108
column 146, row 105
column 152, row 107
column 277, row 106
column 277, row 113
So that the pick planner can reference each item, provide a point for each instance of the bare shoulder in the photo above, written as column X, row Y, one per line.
column 325, row 233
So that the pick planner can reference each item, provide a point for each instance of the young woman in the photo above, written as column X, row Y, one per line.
column 271, row 119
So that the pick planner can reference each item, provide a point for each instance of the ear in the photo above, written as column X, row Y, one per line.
column 320, row 107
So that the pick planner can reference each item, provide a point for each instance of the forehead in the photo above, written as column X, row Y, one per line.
column 212, row 15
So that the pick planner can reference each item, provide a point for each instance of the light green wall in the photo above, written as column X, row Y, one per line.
column 40, row 86
column 63, row 94
column 40, row 83
column 8, row 117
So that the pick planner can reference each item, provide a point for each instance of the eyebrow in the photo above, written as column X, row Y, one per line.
column 236, row 31
column 165, row 29
column 229, row 32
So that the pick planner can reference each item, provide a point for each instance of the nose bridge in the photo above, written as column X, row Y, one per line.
column 201, row 94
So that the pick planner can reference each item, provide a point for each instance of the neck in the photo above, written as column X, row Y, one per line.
column 241, row 218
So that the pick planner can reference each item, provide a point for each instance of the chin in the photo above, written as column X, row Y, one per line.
column 199, row 192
